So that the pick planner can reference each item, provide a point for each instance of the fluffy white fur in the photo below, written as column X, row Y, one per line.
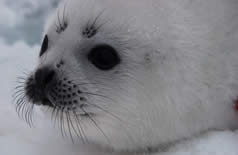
column 179, row 72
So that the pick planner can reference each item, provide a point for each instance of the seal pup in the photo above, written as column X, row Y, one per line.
column 133, row 76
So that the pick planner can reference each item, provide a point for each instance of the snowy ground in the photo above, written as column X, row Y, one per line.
column 16, row 138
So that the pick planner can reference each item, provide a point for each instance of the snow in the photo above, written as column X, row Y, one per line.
column 17, row 138
column 214, row 143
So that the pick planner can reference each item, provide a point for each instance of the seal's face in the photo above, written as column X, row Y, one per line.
column 115, row 83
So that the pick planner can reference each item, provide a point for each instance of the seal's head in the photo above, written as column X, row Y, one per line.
column 134, row 76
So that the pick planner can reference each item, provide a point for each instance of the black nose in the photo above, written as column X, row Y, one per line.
column 44, row 76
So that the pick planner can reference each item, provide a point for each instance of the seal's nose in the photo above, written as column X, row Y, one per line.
column 44, row 76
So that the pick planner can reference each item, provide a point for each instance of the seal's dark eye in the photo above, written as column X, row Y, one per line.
column 44, row 45
column 104, row 57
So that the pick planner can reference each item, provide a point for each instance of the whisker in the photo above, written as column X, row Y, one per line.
column 101, row 25
column 56, row 116
column 106, row 111
column 57, row 27
column 64, row 15
column 68, row 125
column 96, row 125
column 26, row 73
column 62, row 126
column 21, row 78
column 19, row 102
column 83, row 83
column 79, row 127
column 31, row 115
column 28, row 116
column 97, row 17
column 53, row 115
column 70, row 121
column 24, row 108
column 17, row 95
column 20, row 82
column 20, row 86
column 89, row 93
column 59, row 22
column 18, row 91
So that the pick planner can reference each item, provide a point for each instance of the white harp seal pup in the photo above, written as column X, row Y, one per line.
column 133, row 76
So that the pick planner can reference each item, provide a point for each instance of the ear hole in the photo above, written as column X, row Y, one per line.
column 44, row 45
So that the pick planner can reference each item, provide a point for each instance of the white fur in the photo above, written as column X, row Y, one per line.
column 179, row 71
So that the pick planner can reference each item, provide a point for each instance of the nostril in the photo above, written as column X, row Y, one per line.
column 44, row 76
column 50, row 77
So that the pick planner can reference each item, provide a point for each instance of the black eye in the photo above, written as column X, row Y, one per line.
column 44, row 45
column 104, row 57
